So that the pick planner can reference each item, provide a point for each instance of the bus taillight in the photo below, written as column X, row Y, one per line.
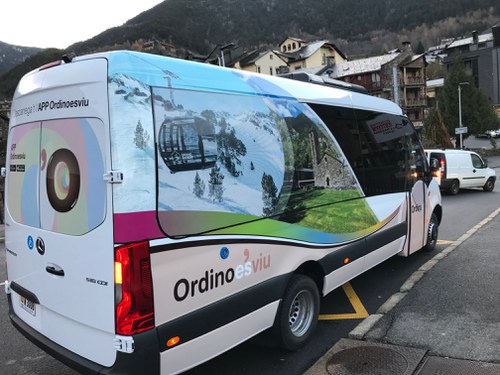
column 134, row 289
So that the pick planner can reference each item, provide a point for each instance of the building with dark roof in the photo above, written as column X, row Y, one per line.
column 480, row 54
column 398, row 76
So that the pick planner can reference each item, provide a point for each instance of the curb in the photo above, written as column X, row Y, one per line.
column 360, row 331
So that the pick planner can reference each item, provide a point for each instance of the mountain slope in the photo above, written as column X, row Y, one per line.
column 200, row 24
column 11, row 55
column 359, row 28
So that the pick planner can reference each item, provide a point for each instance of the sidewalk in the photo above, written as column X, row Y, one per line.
column 445, row 319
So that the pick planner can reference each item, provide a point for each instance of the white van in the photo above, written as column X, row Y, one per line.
column 160, row 211
column 462, row 169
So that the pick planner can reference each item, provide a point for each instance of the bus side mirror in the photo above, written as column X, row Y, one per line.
column 434, row 169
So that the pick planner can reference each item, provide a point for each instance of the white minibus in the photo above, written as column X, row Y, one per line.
column 160, row 212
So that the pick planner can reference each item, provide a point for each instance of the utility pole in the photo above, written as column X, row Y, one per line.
column 460, row 110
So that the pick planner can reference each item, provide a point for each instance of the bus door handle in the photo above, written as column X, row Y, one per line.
column 54, row 270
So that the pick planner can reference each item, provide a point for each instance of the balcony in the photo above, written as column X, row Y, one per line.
column 413, row 102
column 412, row 81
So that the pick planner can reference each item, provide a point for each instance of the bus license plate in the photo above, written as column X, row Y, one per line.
column 28, row 305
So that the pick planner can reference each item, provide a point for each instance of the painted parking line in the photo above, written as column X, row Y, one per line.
column 444, row 242
column 360, row 313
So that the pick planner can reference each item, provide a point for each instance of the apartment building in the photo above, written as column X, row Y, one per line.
column 398, row 76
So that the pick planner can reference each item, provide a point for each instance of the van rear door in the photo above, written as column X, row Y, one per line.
column 58, row 228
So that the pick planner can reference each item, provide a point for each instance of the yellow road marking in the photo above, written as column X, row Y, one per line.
column 444, row 242
column 360, row 313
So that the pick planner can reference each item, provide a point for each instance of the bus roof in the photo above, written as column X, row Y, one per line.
column 161, row 71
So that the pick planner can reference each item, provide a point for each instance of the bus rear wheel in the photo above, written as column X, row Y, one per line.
column 297, row 315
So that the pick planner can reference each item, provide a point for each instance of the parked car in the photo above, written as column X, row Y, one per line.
column 461, row 169
column 489, row 134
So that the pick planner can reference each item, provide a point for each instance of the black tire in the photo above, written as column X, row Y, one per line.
column 454, row 187
column 432, row 233
column 297, row 315
column 489, row 185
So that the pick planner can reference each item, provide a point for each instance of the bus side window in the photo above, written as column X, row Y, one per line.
column 342, row 124
column 383, row 149
column 396, row 158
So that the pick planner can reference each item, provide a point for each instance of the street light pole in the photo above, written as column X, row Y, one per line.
column 460, row 109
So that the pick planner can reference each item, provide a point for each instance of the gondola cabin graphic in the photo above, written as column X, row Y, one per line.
column 187, row 143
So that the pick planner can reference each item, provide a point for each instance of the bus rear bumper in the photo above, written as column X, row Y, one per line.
column 144, row 360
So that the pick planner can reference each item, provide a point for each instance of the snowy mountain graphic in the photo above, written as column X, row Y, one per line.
column 248, row 145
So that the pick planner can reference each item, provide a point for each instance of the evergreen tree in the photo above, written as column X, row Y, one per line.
column 269, row 195
column 231, row 148
column 215, row 187
column 198, row 186
column 420, row 48
column 301, row 149
column 435, row 132
column 478, row 113
column 141, row 137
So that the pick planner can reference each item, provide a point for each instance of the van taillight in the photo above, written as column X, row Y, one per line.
column 134, row 289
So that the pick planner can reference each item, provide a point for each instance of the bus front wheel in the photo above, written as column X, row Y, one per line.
column 297, row 315
column 432, row 233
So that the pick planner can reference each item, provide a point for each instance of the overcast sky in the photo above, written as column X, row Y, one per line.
column 60, row 23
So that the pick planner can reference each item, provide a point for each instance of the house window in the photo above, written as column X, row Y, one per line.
column 258, row 69
column 284, row 48
column 270, row 57
column 271, row 70
column 293, row 45
column 289, row 47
